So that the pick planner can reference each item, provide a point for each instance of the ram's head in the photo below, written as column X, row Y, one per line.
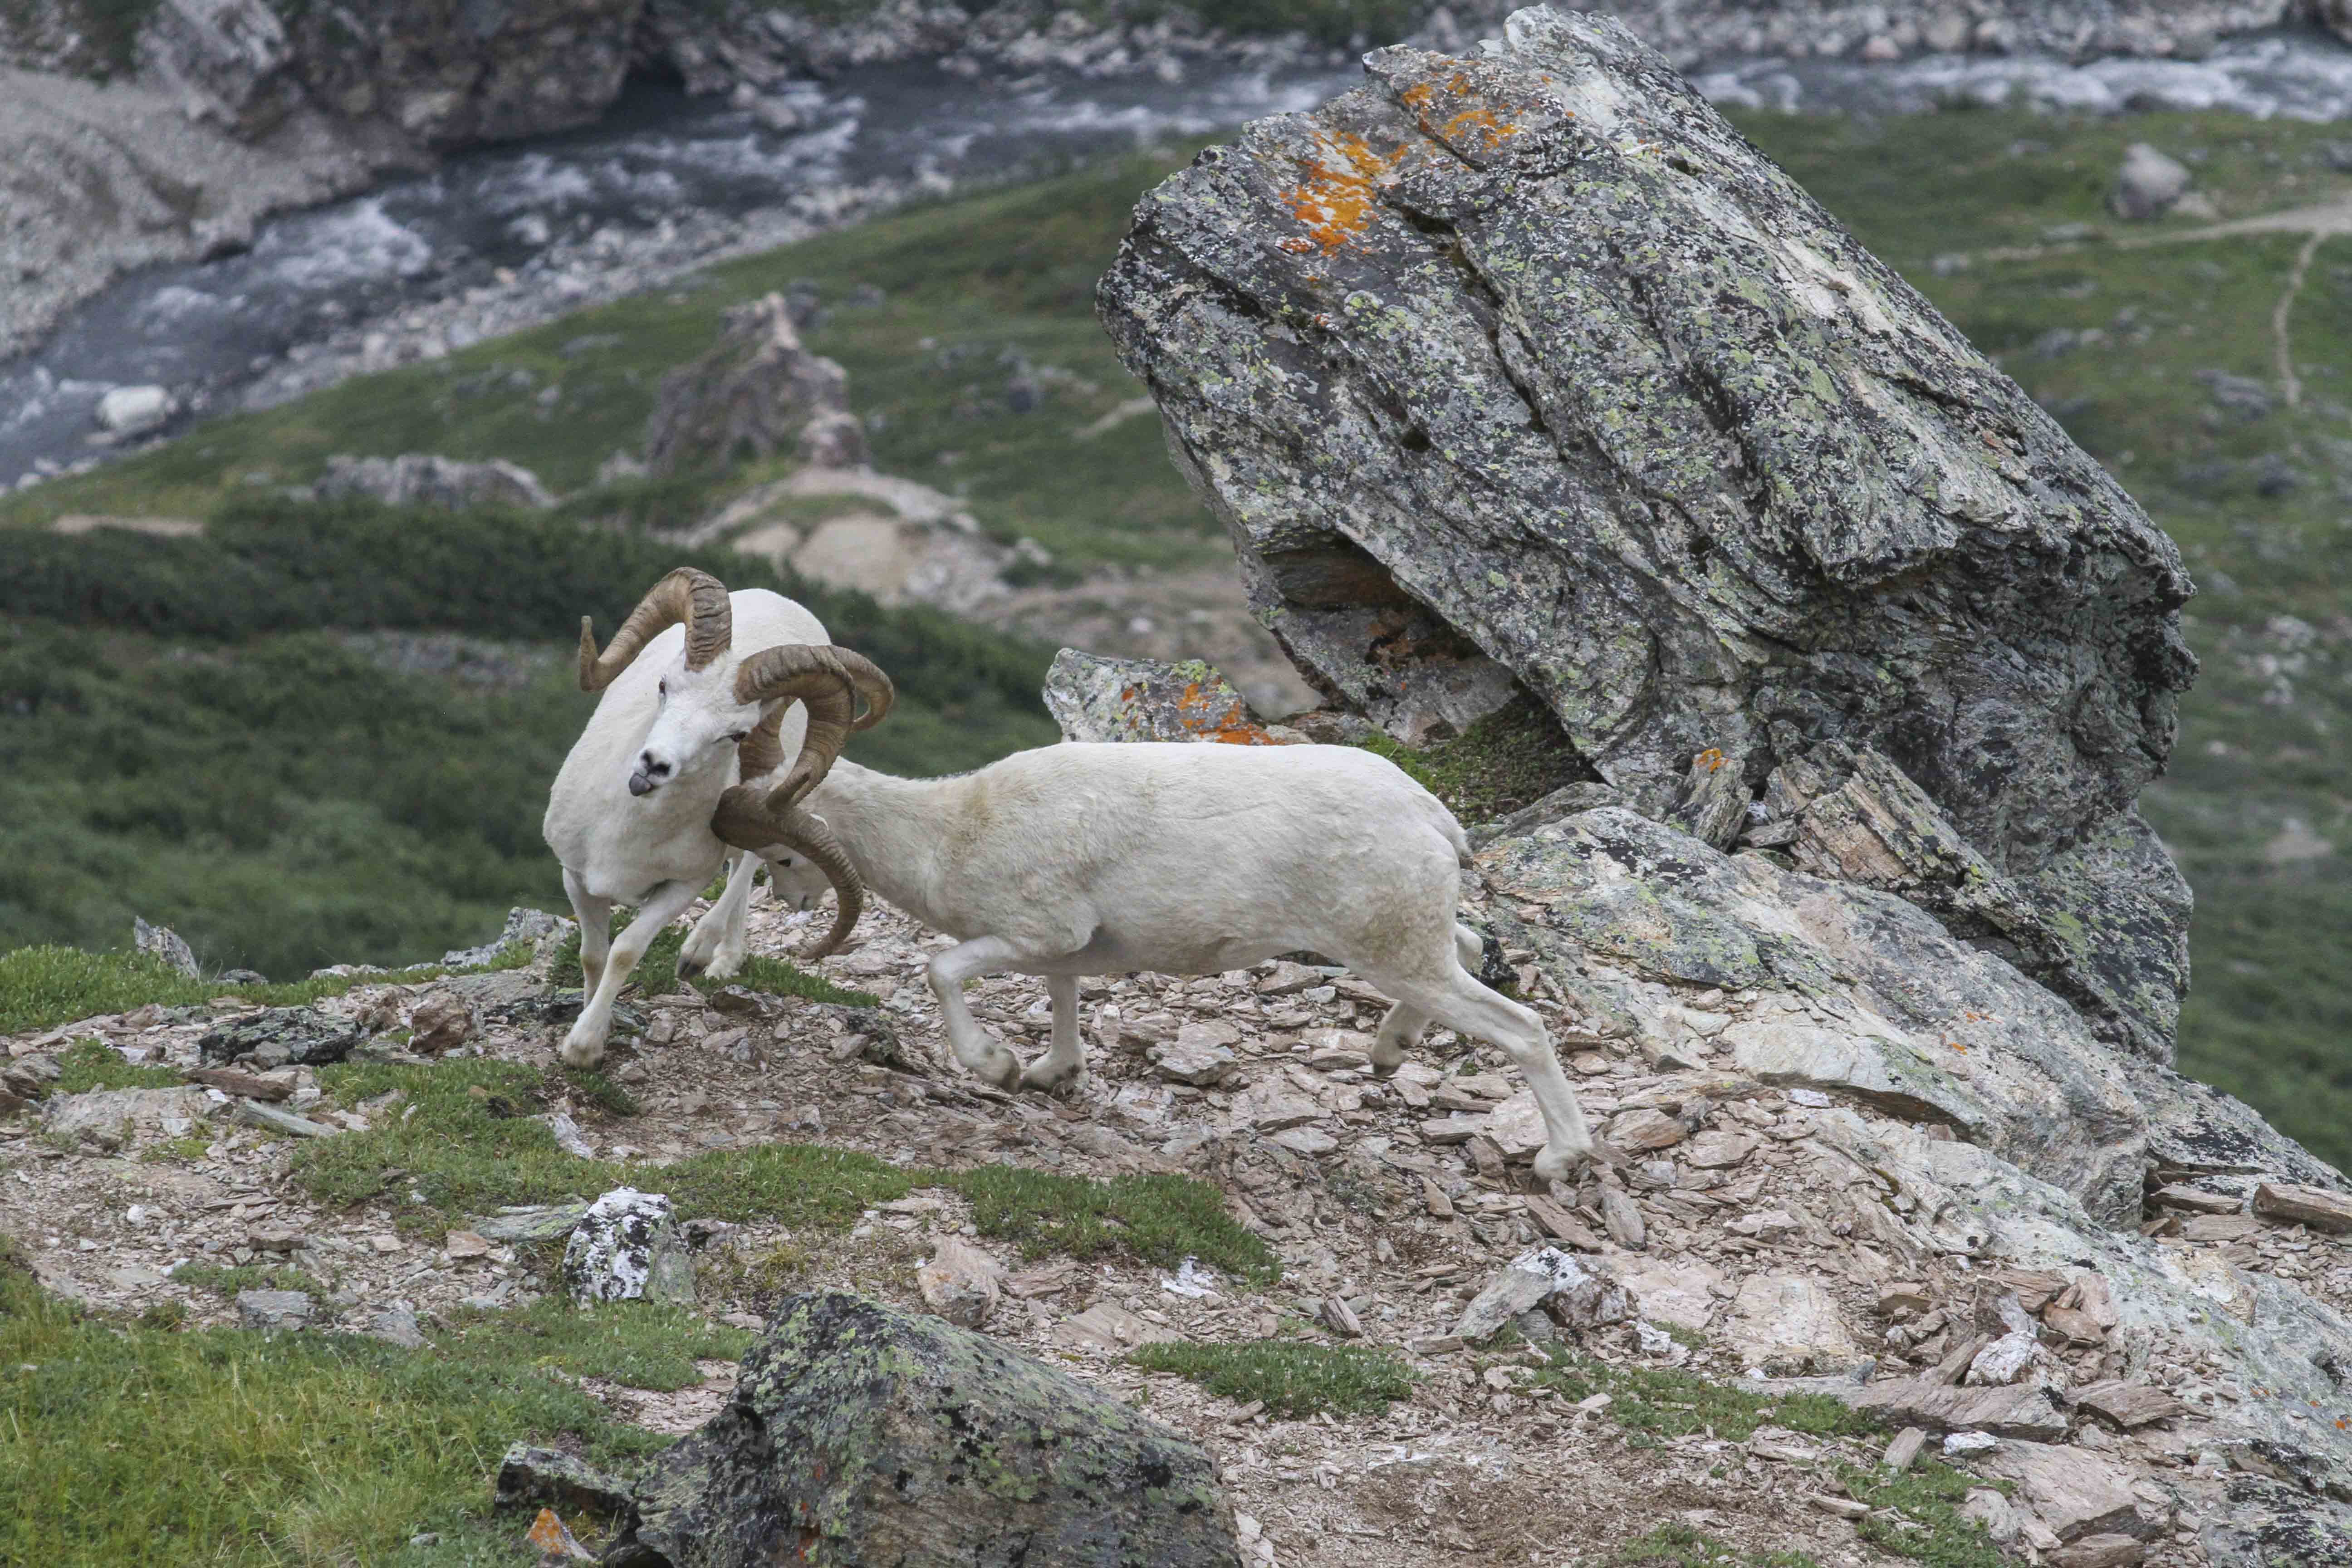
column 714, row 699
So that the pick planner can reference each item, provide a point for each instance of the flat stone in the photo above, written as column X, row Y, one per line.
column 2126, row 1405
column 1639, row 1130
column 2220, row 1227
column 1623, row 1218
column 465, row 1244
column 255, row 1114
column 1670, row 1292
column 397, row 1325
column 1312, row 1142
column 1788, row 1320
column 547, row 1478
column 1902, row 1453
column 253, row 1086
column 2315, row 1206
column 2076, row 1492
column 960, row 1283
column 1718, row 1150
column 1516, row 1126
column 2025, row 1411
column 2196, row 1200
column 1559, row 1224
column 1108, row 1326
column 114, row 1118
column 1445, row 1131
column 273, row 1311
column 1191, row 1058
column 2099, row 1552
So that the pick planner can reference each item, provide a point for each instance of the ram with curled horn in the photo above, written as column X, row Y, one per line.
column 704, row 694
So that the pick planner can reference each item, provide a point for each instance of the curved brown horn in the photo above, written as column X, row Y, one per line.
column 829, row 680
column 745, row 820
column 686, row 594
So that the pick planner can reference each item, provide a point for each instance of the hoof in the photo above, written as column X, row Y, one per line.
column 687, row 968
column 1004, row 1072
column 1039, row 1081
column 580, row 1053
column 1561, row 1164
column 1387, row 1068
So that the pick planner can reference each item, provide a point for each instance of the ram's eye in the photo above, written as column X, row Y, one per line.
column 661, row 687
column 738, row 735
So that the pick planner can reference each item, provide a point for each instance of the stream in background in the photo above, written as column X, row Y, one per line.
column 220, row 333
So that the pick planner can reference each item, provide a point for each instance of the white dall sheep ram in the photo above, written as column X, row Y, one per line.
column 699, row 694
column 1183, row 858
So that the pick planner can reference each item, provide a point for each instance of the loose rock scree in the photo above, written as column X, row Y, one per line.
column 1082, row 860
column 701, row 689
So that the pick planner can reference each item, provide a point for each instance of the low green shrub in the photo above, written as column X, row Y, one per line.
column 1293, row 1378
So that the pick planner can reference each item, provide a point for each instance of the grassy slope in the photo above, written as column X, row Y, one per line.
column 2253, row 778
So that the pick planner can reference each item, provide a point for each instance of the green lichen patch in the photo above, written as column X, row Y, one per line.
column 1513, row 757
column 1292, row 1378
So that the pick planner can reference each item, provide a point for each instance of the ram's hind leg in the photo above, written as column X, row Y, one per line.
column 1401, row 1028
column 1466, row 1005
column 717, row 946
column 1068, row 1057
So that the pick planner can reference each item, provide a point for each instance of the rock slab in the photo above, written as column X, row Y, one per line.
column 627, row 1248
column 859, row 1435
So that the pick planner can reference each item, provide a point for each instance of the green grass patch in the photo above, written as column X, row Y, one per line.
column 600, row 1091
column 130, row 1445
column 225, row 1281
column 1927, row 1495
column 92, row 1064
column 1680, row 1546
column 656, row 972
column 1160, row 1219
column 44, row 986
column 640, row 1343
column 801, row 1184
column 1294, row 1378
column 1511, row 758
column 463, row 1142
column 1658, row 1403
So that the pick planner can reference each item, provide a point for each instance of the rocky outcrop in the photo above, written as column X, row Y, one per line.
column 1530, row 372
column 757, row 393
column 442, row 484
column 860, row 1434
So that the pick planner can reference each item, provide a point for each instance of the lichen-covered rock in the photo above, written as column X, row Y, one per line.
column 2105, row 925
column 756, row 393
column 1532, row 362
column 627, row 1248
column 548, row 1478
column 163, row 943
column 1858, row 992
column 443, row 484
column 1580, row 1292
column 275, row 1036
column 1097, row 698
column 860, row 1434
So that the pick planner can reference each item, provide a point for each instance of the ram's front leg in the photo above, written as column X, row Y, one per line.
column 1067, row 1060
column 585, row 1046
column 718, row 946
column 594, row 917
column 981, row 1056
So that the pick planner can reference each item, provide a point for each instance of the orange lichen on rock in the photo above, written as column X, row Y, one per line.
column 1197, row 710
column 1336, row 198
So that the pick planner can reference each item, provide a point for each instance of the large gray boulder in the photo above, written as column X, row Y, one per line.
column 1530, row 370
column 427, row 480
column 862, row 1434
